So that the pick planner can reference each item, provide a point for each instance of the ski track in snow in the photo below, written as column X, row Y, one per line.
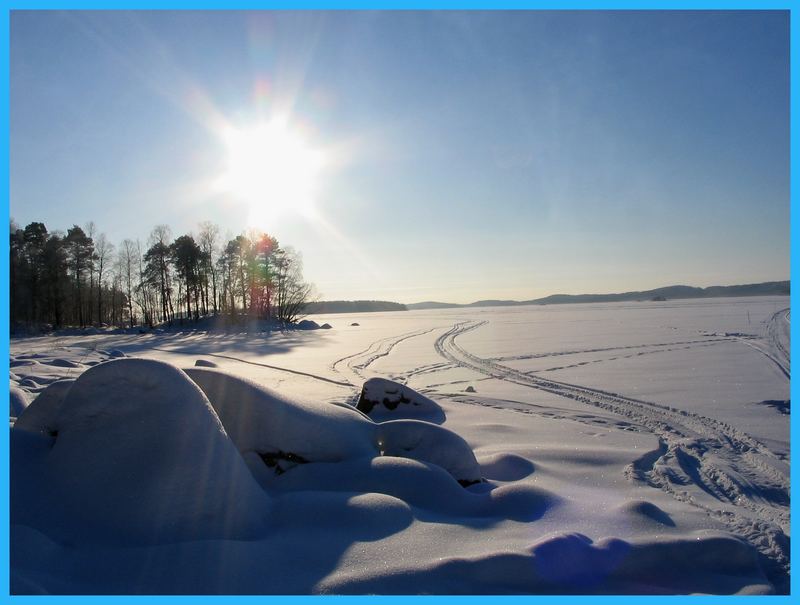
column 271, row 367
column 605, row 349
column 358, row 362
column 777, row 331
column 776, row 348
column 706, row 343
column 701, row 461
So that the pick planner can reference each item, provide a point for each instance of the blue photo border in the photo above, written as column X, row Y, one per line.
column 8, row 6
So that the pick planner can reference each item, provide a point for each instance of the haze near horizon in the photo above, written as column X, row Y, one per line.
column 415, row 156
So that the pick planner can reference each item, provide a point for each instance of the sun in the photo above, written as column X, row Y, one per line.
column 271, row 167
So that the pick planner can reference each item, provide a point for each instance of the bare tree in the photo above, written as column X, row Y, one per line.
column 103, row 249
column 209, row 234
column 157, row 268
column 144, row 295
column 128, row 261
column 292, row 293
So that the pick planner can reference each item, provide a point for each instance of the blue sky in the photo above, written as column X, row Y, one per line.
column 468, row 155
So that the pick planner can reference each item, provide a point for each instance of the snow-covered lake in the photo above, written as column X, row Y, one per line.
column 619, row 448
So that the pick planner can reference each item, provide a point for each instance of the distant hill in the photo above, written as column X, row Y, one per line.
column 432, row 305
column 773, row 288
column 352, row 306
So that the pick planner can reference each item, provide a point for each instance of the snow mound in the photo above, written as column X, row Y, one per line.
column 18, row 401
column 261, row 421
column 428, row 442
column 62, row 363
column 425, row 486
column 19, row 362
column 506, row 467
column 135, row 454
column 383, row 399
column 572, row 564
column 646, row 511
column 40, row 415
column 29, row 384
column 703, row 563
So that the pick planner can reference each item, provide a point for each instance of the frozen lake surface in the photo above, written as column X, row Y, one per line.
column 620, row 447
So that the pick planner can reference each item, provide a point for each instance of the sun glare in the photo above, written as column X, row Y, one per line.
column 272, row 168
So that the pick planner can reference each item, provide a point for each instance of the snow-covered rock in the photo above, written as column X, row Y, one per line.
column 383, row 399
column 135, row 454
column 263, row 422
column 280, row 433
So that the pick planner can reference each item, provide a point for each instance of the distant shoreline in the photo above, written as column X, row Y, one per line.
column 777, row 288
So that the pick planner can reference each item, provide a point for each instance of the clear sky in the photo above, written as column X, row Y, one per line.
column 447, row 156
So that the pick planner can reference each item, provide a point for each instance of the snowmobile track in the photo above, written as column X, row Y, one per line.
column 725, row 472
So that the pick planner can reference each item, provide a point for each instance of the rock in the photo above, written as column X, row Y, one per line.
column 204, row 363
column 355, row 324
column 307, row 324
column 383, row 399
column 469, row 389
column 326, row 326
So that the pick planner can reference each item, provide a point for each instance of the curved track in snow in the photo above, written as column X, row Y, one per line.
column 775, row 345
column 356, row 363
column 702, row 461
column 778, row 328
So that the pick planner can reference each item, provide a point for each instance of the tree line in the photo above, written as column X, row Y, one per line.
column 79, row 278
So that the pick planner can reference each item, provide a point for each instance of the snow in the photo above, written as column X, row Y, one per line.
column 603, row 449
